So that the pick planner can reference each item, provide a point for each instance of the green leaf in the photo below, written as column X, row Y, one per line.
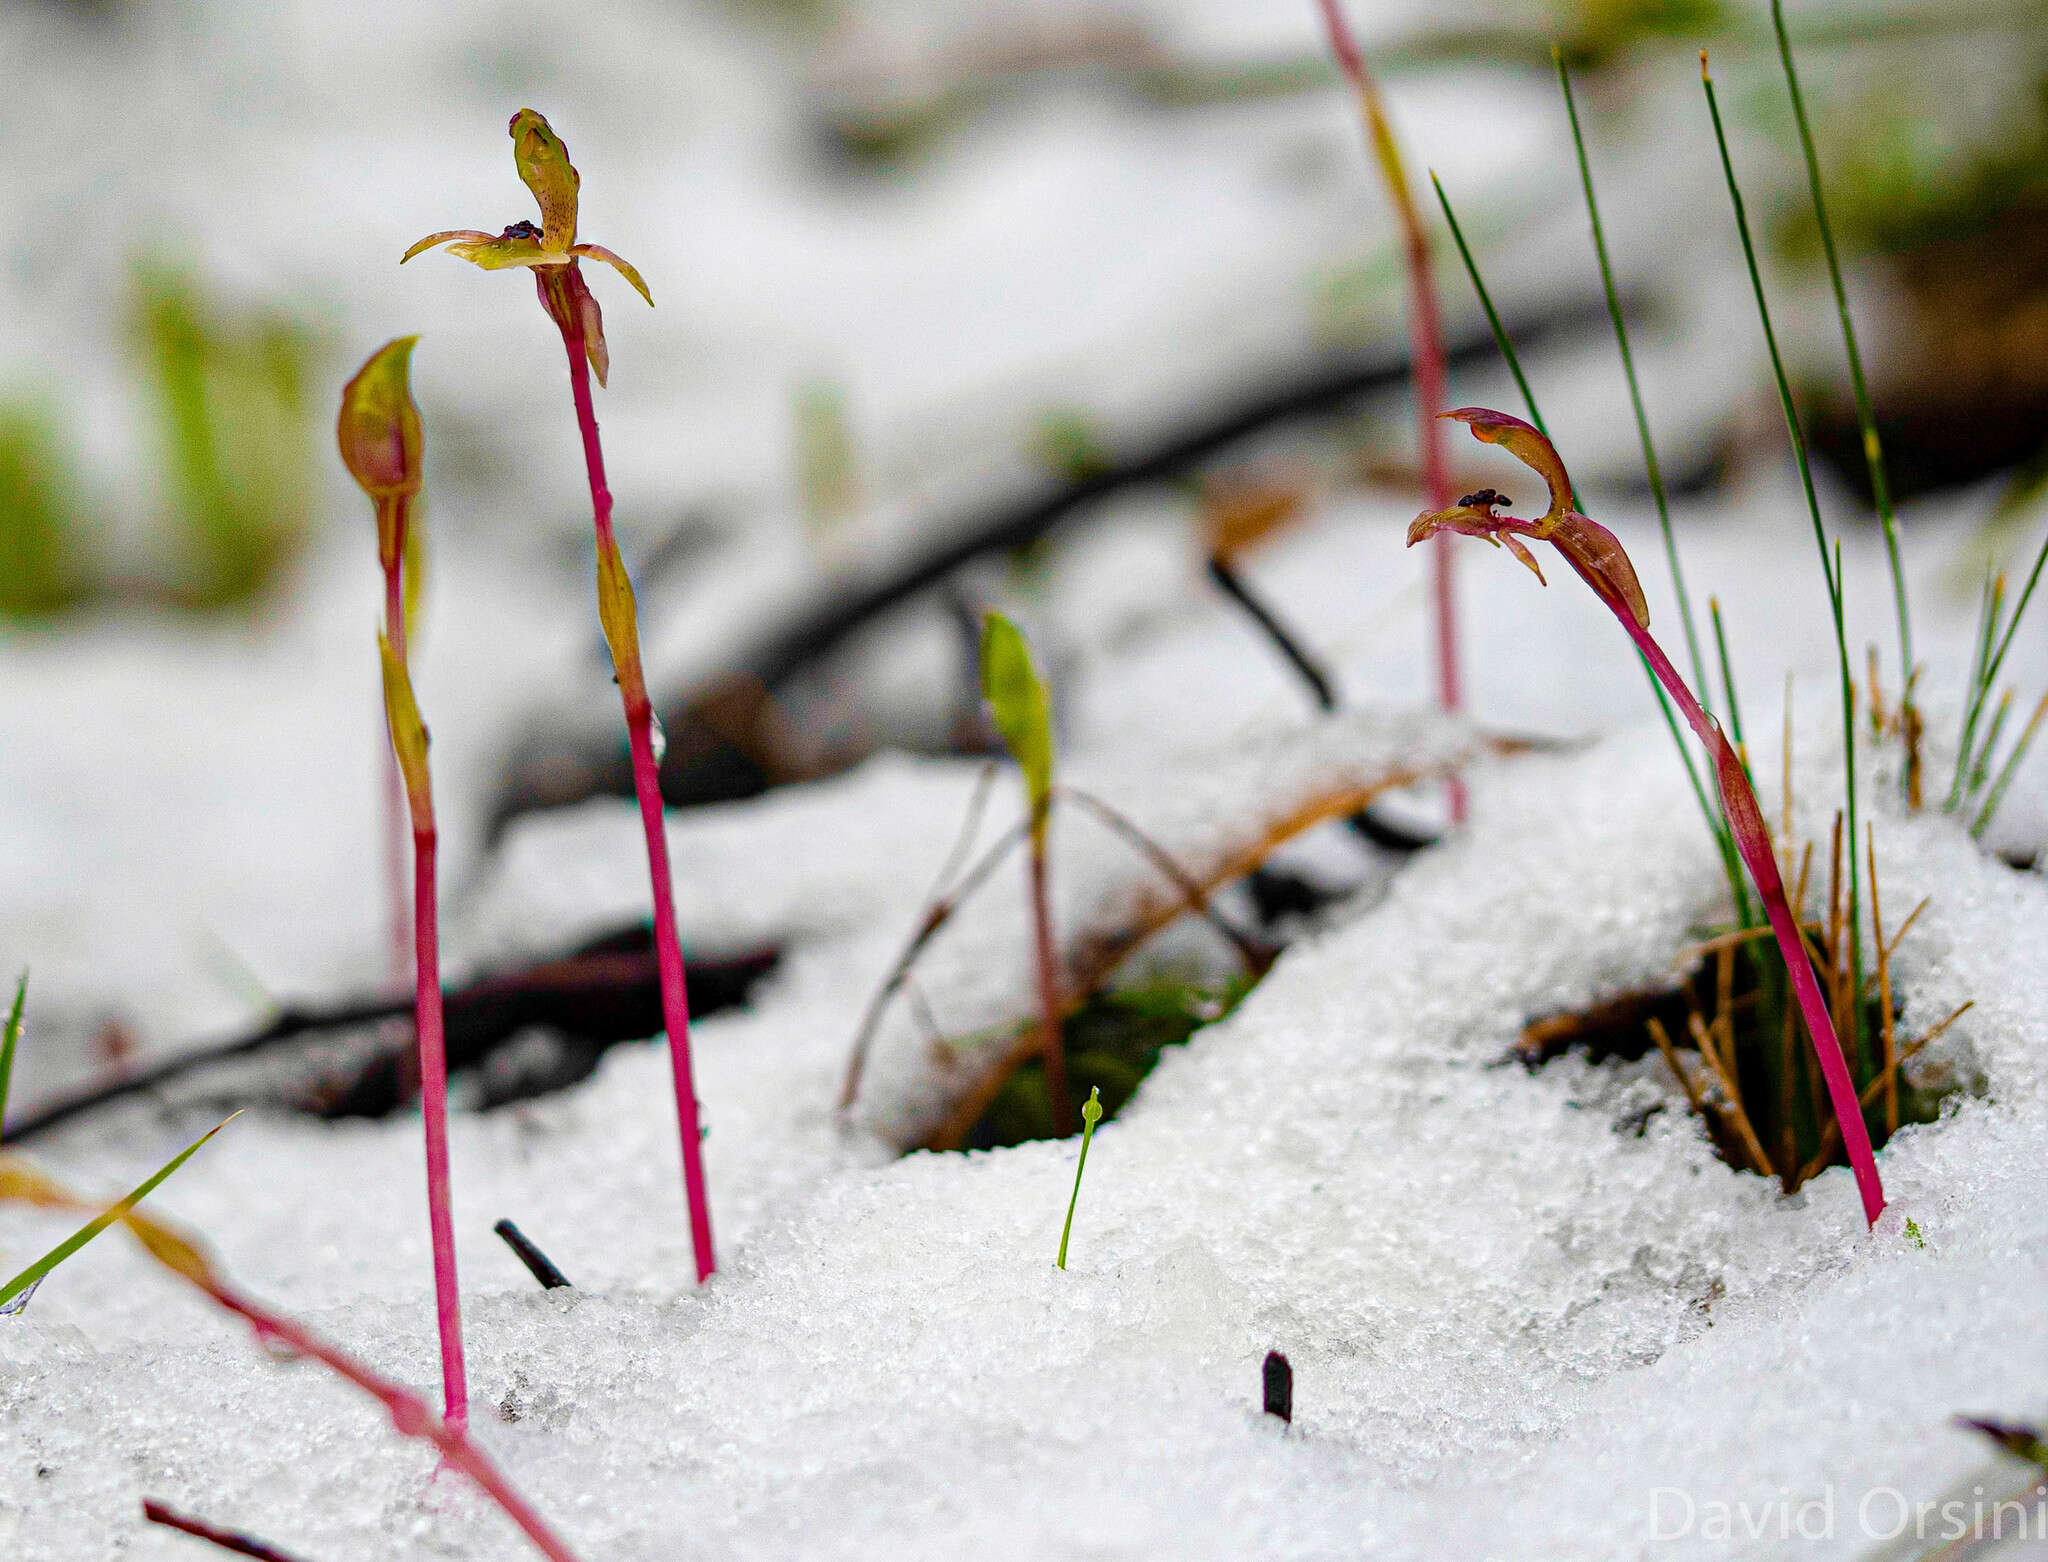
column 8, row 1037
column 106, row 1218
column 1022, row 707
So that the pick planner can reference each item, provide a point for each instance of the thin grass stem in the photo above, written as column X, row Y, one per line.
column 1830, row 567
column 1628, row 369
column 10, row 1035
column 1716, row 825
column 1873, row 449
column 2012, row 625
column 2009, row 769
column 1728, row 678
column 1989, row 609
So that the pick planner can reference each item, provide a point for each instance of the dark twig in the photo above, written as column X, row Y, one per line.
column 1254, row 951
column 226, row 1539
column 538, row 1264
column 1279, row 1387
column 1365, row 822
column 1225, row 575
column 547, row 775
column 603, row 993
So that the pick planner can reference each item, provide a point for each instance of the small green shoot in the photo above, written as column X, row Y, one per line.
column 1018, row 699
column 1913, row 1234
column 8, row 1038
column 17, row 1180
column 1091, row 1114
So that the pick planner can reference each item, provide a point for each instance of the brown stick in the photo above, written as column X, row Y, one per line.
column 1831, row 1134
column 227, row 1539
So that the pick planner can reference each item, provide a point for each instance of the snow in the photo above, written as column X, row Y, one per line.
column 1512, row 1318
column 1506, row 1311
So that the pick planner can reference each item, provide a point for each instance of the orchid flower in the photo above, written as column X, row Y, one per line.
column 553, row 255
column 551, row 250
column 1604, row 565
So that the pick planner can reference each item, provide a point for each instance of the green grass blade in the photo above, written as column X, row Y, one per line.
column 1500, row 331
column 1981, row 765
column 1628, row 369
column 1873, row 449
column 1728, row 677
column 1989, row 679
column 1830, row 566
column 8, row 1038
column 1717, row 826
column 106, row 1218
column 2010, row 769
column 1979, row 684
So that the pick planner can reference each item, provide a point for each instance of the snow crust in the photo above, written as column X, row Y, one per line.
column 1509, row 1312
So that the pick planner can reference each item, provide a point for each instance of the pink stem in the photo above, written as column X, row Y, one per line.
column 1053, row 1040
column 1753, row 841
column 397, row 816
column 434, row 1107
column 1425, row 345
column 409, row 1413
column 675, row 1006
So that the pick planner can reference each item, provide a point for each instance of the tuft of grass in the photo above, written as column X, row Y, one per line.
column 44, row 567
column 1091, row 1114
column 237, row 427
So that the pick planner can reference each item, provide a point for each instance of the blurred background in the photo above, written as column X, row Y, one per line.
column 959, row 302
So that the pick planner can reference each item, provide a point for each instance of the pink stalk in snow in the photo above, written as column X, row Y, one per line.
column 379, row 435
column 1598, row 557
column 1425, row 339
column 552, row 254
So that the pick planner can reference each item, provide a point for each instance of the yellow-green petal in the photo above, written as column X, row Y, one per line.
column 545, row 169
column 618, row 264
column 443, row 237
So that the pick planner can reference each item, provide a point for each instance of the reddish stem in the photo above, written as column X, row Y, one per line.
column 1425, row 346
column 409, row 1413
column 397, row 816
column 1052, row 1034
column 434, row 1108
column 1752, row 840
column 668, row 951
